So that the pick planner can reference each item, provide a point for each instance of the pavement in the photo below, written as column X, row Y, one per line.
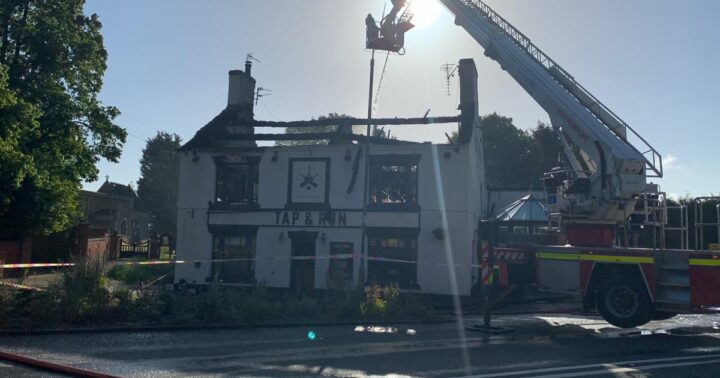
column 547, row 345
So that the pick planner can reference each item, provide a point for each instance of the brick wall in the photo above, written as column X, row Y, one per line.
column 16, row 251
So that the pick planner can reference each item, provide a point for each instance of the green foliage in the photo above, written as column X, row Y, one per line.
column 158, row 183
column 386, row 303
column 514, row 157
column 54, row 129
column 312, row 129
column 82, row 294
column 544, row 151
column 83, row 297
column 135, row 274
column 130, row 305
column 506, row 149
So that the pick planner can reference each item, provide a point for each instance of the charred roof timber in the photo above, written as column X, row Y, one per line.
column 236, row 123
column 342, row 133
column 359, row 121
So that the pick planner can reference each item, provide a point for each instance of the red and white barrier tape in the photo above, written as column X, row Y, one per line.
column 276, row 258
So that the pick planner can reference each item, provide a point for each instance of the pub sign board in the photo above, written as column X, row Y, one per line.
column 309, row 181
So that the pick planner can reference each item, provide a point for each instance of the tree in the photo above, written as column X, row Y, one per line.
column 158, row 184
column 54, row 129
column 19, row 125
column 311, row 129
column 544, row 150
column 514, row 157
column 507, row 152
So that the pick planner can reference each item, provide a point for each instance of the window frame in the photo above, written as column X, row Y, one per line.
column 219, row 241
column 379, row 161
column 251, row 201
column 375, row 249
column 335, row 263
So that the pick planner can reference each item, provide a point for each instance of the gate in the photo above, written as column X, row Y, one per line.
column 140, row 249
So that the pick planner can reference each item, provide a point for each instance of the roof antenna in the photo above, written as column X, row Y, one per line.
column 249, row 58
column 261, row 92
column 450, row 70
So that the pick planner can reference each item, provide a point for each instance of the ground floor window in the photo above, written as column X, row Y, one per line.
column 238, row 251
column 340, row 273
column 403, row 270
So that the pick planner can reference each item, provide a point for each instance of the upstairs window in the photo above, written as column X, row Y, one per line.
column 237, row 183
column 394, row 181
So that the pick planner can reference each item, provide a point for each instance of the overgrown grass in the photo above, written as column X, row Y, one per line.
column 135, row 274
column 82, row 297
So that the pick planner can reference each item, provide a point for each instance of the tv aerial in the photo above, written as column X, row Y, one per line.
column 249, row 58
column 450, row 71
column 261, row 92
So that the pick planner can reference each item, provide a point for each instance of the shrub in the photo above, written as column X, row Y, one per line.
column 81, row 294
column 135, row 274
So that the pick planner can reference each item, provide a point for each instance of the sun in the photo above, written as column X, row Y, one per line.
column 426, row 12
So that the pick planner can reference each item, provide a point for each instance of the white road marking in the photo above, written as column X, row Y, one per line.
column 599, row 365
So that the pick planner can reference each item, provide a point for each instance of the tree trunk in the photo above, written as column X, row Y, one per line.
column 19, row 41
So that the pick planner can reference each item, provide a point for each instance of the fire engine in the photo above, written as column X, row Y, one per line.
column 604, row 174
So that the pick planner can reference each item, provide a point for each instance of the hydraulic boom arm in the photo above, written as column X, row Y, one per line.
column 606, row 172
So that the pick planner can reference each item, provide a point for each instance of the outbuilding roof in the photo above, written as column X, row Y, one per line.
column 526, row 209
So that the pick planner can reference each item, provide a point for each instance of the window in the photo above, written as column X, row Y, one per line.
column 237, row 183
column 340, row 273
column 394, row 181
column 520, row 230
column 404, row 274
column 240, row 249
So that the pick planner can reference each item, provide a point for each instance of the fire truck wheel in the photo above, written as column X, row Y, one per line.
column 624, row 302
column 662, row 315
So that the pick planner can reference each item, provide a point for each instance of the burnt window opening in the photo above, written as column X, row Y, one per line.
column 237, row 183
column 394, row 181
column 384, row 273
column 241, row 249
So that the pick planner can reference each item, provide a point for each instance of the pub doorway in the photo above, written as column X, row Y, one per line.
column 302, row 267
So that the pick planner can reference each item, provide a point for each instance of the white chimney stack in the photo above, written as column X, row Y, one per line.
column 241, row 89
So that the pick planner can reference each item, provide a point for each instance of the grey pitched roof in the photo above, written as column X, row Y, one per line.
column 109, row 187
column 526, row 209
column 233, row 115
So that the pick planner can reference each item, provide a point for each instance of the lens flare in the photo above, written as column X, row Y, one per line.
column 426, row 12
column 311, row 335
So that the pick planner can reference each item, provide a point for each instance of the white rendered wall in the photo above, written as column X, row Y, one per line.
column 459, row 178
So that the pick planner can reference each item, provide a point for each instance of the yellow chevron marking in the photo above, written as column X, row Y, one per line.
column 705, row 262
column 596, row 258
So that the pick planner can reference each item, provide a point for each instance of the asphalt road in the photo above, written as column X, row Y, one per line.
column 540, row 345
column 9, row 369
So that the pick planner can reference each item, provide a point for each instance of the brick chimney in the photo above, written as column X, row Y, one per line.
column 241, row 89
column 469, row 113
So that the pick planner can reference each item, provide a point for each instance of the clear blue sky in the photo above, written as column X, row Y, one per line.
column 653, row 62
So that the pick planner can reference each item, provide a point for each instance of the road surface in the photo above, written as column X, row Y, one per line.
column 540, row 345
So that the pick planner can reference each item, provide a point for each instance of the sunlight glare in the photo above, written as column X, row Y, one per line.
column 426, row 12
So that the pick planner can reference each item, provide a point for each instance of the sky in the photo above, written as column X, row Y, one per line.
column 653, row 62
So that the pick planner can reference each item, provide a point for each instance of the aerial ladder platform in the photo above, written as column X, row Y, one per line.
column 608, row 161
column 607, row 164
